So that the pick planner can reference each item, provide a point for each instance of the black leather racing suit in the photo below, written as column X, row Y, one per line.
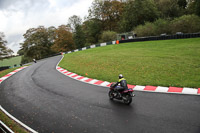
column 123, row 85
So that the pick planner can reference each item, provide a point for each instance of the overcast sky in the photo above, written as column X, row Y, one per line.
column 17, row 16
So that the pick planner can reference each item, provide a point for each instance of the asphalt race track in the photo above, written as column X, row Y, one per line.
column 49, row 101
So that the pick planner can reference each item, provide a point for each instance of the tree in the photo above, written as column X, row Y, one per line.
column 20, row 51
column 75, row 24
column 73, row 21
column 63, row 39
column 182, row 3
column 194, row 7
column 79, row 37
column 38, row 42
column 107, row 11
column 197, row 7
column 137, row 12
column 4, row 51
column 170, row 8
column 51, row 34
column 92, row 29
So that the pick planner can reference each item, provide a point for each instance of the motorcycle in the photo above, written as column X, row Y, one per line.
column 126, row 95
column 34, row 60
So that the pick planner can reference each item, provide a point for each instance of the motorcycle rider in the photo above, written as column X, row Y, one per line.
column 123, row 85
column 34, row 60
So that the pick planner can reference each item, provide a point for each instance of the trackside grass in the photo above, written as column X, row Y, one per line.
column 11, row 61
column 4, row 118
column 156, row 63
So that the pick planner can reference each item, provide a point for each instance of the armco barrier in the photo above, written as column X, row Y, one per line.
column 164, row 37
column 4, row 68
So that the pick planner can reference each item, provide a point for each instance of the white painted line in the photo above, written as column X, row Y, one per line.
column 16, row 120
column 59, row 62
column 7, row 128
column 139, row 88
column 189, row 91
column 161, row 89
column 105, row 84
column 9, row 115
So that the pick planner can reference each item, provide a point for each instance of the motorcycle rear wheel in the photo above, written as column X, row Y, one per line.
column 127, row 100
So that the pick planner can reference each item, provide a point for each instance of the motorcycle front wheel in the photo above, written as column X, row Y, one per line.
column 111, row 95
column 127, row 100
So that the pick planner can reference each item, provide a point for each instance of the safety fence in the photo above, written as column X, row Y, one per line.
column 92, row 46
column 138, row 39
column 4, row 68
column 8, row 67
column 162, row 37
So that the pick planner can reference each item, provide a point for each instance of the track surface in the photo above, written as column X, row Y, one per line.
column 48, row 101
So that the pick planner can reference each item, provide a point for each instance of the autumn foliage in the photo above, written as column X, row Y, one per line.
column 63, row 40
column 106, row 18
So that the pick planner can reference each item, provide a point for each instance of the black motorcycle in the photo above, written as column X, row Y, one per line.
column 126, row 95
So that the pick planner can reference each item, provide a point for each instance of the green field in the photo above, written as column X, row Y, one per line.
column 157, row 63
column 11, row 61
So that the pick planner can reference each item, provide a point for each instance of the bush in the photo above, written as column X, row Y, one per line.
column 186, row 24
column 145, row 30
column 108, row 36
column 153, row 29
column 25, row 59
column 162, row 26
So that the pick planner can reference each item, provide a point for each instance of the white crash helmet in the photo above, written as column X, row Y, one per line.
column 120, row 76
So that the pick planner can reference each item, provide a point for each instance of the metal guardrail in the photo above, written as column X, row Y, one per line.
column 4, row 128
column 4, row 68
column 162, row 37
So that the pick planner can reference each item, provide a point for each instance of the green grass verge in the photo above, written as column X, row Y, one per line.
column 157, row 63
column 3, row 73
column 4, row 118
column 11, row 61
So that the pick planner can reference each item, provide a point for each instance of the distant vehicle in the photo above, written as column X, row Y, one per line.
column 126, row 95
column 164, row 34
column 179, row 33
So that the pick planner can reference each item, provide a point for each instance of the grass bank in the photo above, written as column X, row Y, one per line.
column 157, row 63
column 4, row 118
column 11, row 61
